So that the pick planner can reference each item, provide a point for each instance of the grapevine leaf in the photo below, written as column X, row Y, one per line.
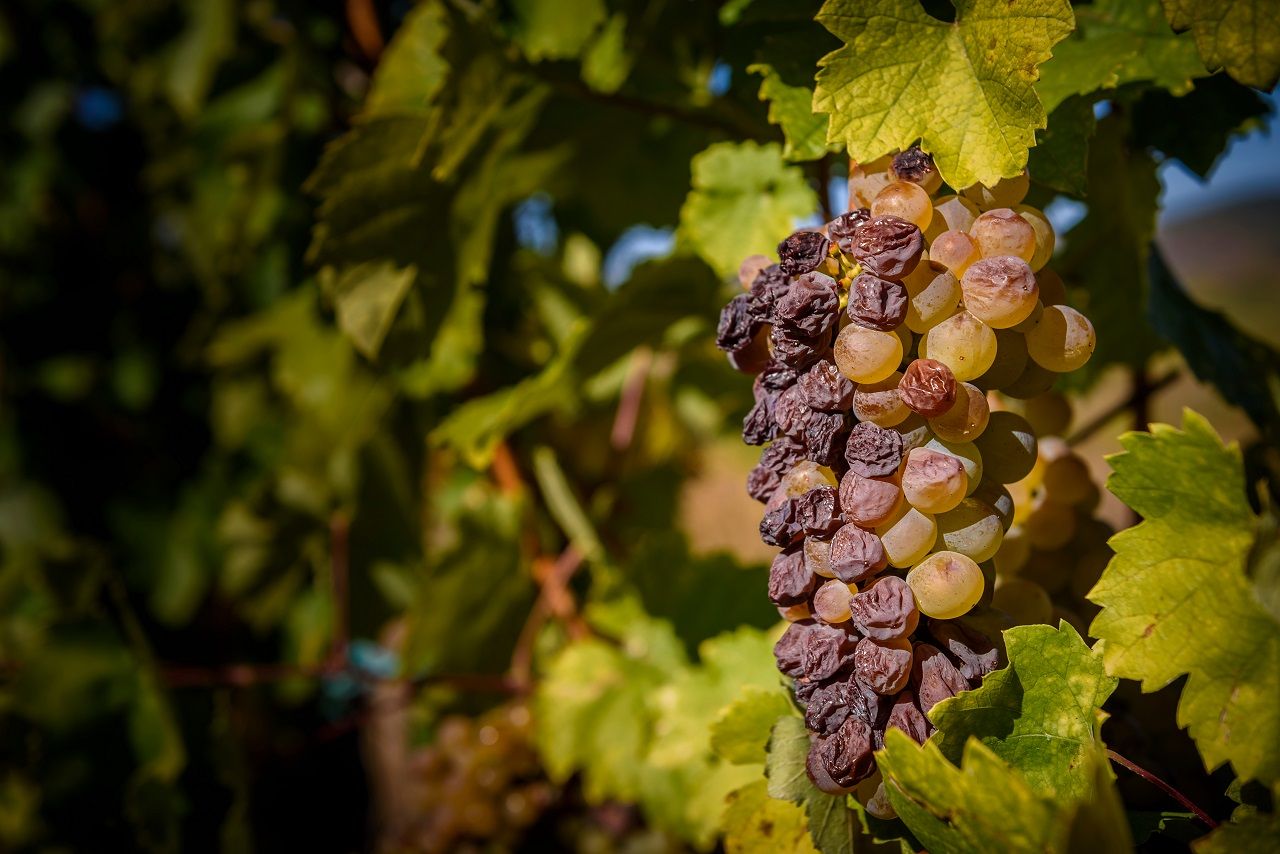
column 1040, row 714
column 755, row 823
column 1060, row 158
column 367, row 297
column 1218, row 108
column 606, row 63
column 560, row 29
column 1259, row 832
column 1242, row 36
column 744, row 200
column 1176, row 601
column 411, row 70
column 741, row 732
column 1119, row 41
column 791, row 109
column 881, row 89
column 1243, row 369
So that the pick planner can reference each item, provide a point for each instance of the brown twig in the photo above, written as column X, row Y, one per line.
column 362, row 19
column 1162, row 786
column 628, row 414
column 1130, row 404
column 505, row 471
column 554, row 600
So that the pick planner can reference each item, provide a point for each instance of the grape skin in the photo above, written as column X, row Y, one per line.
column 904, row 200
column 907, row 535
column 973, row 529
column 966, row 419
column 933, row 482
column 963, row 343
column 867, row 355
column 946, row 585
column 1002, row 232
column 1062, row 341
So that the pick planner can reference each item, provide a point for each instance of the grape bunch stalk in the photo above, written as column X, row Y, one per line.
column 875, row 342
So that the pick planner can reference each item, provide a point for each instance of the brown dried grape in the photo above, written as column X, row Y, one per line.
column 823, row 437
column 837, row 762
column 917, row 167
column 797, row 353
column 827, row 707
column 803, row 252
column 868, row 501
column 1000, row 291
column 827, row 651
column 769, row 285
column 873, row 451
column 876, row 303
column 831, row 601
column 790, row 412
column 776, row 460
column 810, row 307
column 883, row 665
column 758, row 426
column 928, row 387
column 750, row 268
column 974, row 654
column 885, row 610
column 789, row 650
column 774, row 377
column 826, row 389
column 843, row 228
column 906, row 716
column 790, row 581
column 737, row 327
column 818, row 511
column 888, row 246
column 934, row 678
column 779, row 526
column 856, row 554
column 879, row 402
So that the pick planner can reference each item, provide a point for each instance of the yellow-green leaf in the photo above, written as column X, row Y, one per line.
column 367, row 297
column 791, row 108
column 411, row 70
column 755, row 823
column 1242, row 36
column 965, row 89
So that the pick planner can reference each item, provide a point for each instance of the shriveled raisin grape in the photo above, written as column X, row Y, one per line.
column 827, row 707
column 826, row 389
column 774, row 377
column 928, row 387
column 934, row 678
column 818, row 511
column 906, row 716
column 802, row 252
column 877, row 303
column 888, row 246
column 868, row 501
column 779, row 526
column 790, row 581
column 790, row 411
column 759, row 425
column 827, row 650
column 873, row 451
column 810, row 307
column 789, row 650
column 884, row 665
column 769, row 285
column 843, row 758
column 885, row 610
column 823, row 437
column 843, row 228
column 737, row 326
column 856, row 554
column 797, row 353
column 917, row 167
column 776, row 460
column 972, row 652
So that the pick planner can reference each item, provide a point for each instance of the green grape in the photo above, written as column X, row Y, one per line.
column 1015, row 550
column 966, row 452
column 1049, row 414
column 932, row 297
column 1008, row 447
column 804, row 476
column 867, row 355
column 946, row 585
column 831, row 601
column 973, row 528
column 866, row 180
column 967, row 417
column 880, row 403
column 1062, row 341
column 1033, row 317
column 954, row 250
column 1011, row 360
column 817, row 557
column 1050, row 525
column 907, row 536
column 1067, row 480
column 1006, row 193
column 904, row 200
column 963, row 343
column 1000, row 291
column 998, row 497
column 915, row 432
column 955, row 213
column 1034, row 380
column 933, row 482
column 1001, row 232
column 1025, row 601
column 1043, row 229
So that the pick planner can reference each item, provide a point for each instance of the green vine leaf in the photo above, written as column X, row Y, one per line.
column 755, row 823
column 965, row 89
column 791, row 109
column 411, row 70
column 1242, row 36
column 1258, row 832
column 1176, row 599
column 558, row 30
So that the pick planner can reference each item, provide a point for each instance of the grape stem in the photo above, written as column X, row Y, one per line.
column 1162, row 786
column 1138, row 398
column 628, row 414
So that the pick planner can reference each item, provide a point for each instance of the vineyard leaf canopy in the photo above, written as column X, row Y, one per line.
column 1241, row 36
column 755, row 823
column 965, row 89
column 1176, row 599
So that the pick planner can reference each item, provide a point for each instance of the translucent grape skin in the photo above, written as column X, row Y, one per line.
column 946, row 585
column 1045, row 239
column 954, row 250
column 1053, row 291
column 1002, row 232
column 866, row 180
column 867, row 355
column 1006, row 192
column 1062, row 341
column 907, row 536
column 904, row 200
column 817, row 556
column 1000, row 291
column 973, row 529
column 1008, row 447
column 880, row 402
column 933, row 482
column 956, row 213
column 966, row 419
column 932, row 297
column 966, row 452
column 831, row 601
column 963, row 343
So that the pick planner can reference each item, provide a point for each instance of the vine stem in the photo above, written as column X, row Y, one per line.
column 1162, row 786
column 1135, row 401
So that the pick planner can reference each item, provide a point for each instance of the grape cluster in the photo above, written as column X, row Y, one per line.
column 875, row 342
column 481, row 782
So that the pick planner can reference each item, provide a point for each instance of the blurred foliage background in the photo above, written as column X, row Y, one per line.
column 357, row 380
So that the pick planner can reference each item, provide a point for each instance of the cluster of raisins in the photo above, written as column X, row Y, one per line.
column 875, row 341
